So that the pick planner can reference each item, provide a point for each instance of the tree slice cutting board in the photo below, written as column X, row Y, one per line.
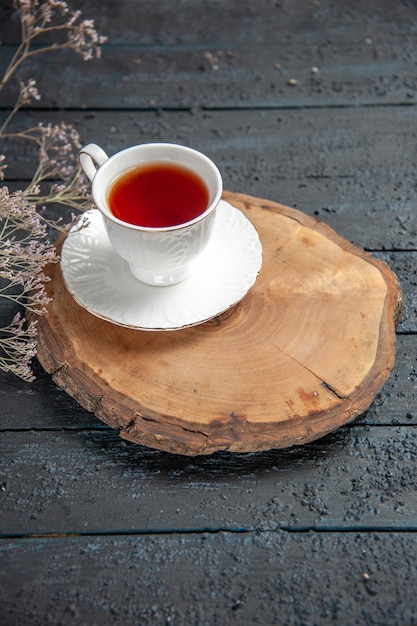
column 304, row 352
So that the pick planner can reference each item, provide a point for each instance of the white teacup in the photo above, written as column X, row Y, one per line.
column 162, row 255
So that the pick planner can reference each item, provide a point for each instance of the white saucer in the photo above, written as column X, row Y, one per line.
column 100, row 281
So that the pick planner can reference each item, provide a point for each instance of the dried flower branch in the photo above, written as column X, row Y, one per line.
column 25, row 250
column 24, row 253
column 52, row 16
column 18, row 347
column 58, row 146
column 27, row 93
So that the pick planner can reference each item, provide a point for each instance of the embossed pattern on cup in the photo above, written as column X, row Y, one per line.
column 157, row 256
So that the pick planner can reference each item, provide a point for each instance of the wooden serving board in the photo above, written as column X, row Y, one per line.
column 304, row 352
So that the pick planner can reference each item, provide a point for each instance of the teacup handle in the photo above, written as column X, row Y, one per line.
column 91, row 157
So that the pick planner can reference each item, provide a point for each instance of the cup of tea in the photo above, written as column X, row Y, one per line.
column 158, row 202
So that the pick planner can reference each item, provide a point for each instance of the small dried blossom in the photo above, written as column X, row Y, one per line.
column 28, row 92
column 3, row 166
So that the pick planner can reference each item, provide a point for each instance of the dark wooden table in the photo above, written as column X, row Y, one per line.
column 95, row 530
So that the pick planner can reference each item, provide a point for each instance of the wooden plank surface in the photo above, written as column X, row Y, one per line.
column 302, row 536
column 224, row 578
column 351, row 168
column 88, row 481
column 237, row 54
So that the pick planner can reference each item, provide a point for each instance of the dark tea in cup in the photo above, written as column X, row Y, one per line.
column 158, row 195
